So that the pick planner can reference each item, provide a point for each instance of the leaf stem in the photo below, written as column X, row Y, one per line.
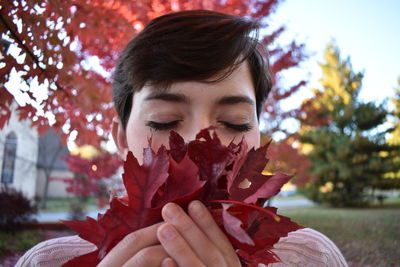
column 273, row 215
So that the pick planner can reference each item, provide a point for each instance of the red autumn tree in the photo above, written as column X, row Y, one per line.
column 55, row 39
column 92, row 175
column 286, row 158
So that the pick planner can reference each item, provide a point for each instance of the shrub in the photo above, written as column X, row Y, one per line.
column 18, row 242
column 15, row 209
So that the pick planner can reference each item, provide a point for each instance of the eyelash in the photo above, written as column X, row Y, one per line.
column 237, row 127
column 161, row 126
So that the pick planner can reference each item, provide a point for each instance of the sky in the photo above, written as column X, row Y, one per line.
column 366, row 31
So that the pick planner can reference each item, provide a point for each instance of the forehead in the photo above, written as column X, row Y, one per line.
column 238, row 83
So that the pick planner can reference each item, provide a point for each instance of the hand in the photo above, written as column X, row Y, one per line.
column 194, row 239
column 140, row 248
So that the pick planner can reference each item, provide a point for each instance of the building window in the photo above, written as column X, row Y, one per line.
column 10, row 152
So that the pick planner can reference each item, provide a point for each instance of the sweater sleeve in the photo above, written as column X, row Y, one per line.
column 55, row 252
column 307, row 247
column 304, row 247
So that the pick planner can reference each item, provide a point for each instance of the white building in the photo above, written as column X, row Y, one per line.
column 27, row 159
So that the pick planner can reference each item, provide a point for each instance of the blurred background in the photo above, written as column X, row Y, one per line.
column 333, row 114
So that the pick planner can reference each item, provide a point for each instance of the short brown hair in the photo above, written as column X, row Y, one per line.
column 189, row 46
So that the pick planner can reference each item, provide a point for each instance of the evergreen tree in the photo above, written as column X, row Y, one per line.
column 392, row 180
column 345, row 137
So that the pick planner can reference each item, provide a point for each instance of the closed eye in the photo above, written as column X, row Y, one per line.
column 245, row 127
column 160, row 126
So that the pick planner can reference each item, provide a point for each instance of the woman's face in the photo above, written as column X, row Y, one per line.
column 188, row 107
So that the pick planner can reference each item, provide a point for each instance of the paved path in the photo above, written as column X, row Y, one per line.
column 280, row 203
column 56, row 216
column 288, row 203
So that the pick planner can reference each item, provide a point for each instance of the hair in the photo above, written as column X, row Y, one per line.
column 189, row 46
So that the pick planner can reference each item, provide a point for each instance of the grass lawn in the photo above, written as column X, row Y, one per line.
column 63, row 205
column 13, row 246
column 366, row 236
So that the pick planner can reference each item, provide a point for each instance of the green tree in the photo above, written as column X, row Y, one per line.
column 395, row 138
column 393, row 178
column 345, row 137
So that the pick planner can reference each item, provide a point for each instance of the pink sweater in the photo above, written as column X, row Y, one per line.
column 305, row 247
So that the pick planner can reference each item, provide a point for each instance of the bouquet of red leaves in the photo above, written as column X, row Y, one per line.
column 227, row 179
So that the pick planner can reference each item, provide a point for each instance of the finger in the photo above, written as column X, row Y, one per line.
column 168, row 262
column 204, row 220
column 205, row 250
column 148, row 257
column 130, row 245
column 176, row 247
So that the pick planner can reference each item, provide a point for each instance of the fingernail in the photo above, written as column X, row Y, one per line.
column 196, row 208
column 170, row 210
column 168, row 262
column 168, row 232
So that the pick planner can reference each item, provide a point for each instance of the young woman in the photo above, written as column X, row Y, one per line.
column 187, row 71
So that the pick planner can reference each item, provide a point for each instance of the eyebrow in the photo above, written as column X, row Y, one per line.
column 170, row 97
column 235, row 99
column 181, row 98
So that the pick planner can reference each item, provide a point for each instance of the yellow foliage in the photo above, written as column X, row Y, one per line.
column 392, row 175
column 355, row 85
column 328, row 187
column 305, row 149
column 288, row 187
column 383, row 154
column 86, row 151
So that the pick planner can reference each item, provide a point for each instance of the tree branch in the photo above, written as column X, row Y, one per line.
column 29, row 52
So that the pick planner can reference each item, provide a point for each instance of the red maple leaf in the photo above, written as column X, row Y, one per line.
column 227, row 179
